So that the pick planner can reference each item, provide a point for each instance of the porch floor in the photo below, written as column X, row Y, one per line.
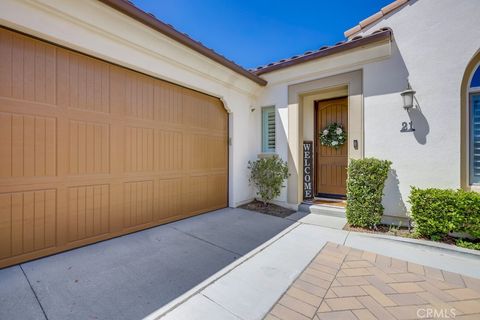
column 328, row 202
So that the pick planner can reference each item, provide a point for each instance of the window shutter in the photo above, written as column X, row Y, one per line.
column 475, row 139
column 268, row 129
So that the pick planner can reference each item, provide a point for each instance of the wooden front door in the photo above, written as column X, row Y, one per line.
column 331, row 163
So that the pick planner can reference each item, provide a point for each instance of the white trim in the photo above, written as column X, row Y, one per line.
column 70, row 21
column 348, row 61
column 474, row 90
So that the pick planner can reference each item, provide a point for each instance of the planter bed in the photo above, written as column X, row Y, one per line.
column 405, row 232
column 270, row 209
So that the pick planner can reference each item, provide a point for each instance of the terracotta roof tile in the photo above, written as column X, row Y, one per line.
column 392, row 6
column 341, row 46
column 371, row 19
column 375, row 17
column 353, row 30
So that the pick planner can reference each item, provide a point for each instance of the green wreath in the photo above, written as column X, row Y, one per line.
column 333, row 136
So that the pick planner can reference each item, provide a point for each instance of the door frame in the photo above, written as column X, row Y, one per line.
column 300, row 121
column 316, row 148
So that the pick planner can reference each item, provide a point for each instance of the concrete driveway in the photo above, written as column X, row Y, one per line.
column 131, row 276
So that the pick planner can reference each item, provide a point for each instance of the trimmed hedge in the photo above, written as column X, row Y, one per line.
column 468, row 244
column 365, row 183
column 436, row 212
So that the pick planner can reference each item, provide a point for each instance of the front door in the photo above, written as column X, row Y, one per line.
column 331, row 163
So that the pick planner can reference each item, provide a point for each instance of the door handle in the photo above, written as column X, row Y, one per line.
column 355, row 144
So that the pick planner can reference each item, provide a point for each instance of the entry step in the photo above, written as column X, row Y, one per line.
column 322, row 209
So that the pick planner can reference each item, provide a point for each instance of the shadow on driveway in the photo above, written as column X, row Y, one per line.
column 133, row 275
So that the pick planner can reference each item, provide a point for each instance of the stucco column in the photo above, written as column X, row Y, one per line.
column 295, row 130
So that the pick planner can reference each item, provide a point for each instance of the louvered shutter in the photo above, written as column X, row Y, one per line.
column 268, row 129
column 475, row 139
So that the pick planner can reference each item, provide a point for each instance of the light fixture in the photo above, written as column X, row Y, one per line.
column 407, row 96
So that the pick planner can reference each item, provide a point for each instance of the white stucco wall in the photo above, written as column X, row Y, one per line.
column 93, row 28
column 274, row 96
column 433, row 42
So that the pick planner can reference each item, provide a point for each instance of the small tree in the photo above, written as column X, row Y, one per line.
column 267, row 175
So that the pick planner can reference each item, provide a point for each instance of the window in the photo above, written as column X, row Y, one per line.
column 268, row 129
column 474, row 101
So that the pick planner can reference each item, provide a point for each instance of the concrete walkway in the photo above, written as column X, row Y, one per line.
column 132, row 276
column 248, row 288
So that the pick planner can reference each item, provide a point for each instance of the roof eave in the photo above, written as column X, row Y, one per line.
column 149, row 20
column 375, row 37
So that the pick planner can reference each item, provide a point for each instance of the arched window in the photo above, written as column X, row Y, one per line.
column 474, row 125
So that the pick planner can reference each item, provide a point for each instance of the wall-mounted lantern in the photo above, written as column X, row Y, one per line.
column 407, row 96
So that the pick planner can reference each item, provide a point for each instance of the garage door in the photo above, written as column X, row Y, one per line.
column 90, row 150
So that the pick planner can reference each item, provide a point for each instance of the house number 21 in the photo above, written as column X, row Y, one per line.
column 407, row 127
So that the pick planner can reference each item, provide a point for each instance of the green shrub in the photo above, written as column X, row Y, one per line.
column 268, row 175
column 366, row 179
column 469, row 205
column 436, row 212
column 468, row 244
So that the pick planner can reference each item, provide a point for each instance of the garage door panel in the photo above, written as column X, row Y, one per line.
column 90, row 150
column 89, row 145
column 168, row 152
column 206, row 191
column 117, row 90
column 139, row 96
column 217, row 183
column 83, row 82
column 197, row 111
column 88, row 211
column 168, row 103
column 139, row 149
column 5, row 225
column 27, row 68
column 197, row 148
column 216, row 120
column 169, row 195
column 139, row 203
column 27, row 221
column 217, row 157
column 197, row 193
column 205, row 152
column 28, row 145
column 6, row 145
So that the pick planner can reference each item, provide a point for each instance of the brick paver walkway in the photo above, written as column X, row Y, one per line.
column 345, row 283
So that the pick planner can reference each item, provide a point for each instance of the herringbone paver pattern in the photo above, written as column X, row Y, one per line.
column 345, row 283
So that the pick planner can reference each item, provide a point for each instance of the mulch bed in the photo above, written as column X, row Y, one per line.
column 382, row 229
column 270, row 209
column 399, row 232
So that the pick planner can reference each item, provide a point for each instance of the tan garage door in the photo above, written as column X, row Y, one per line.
column 90, row 150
